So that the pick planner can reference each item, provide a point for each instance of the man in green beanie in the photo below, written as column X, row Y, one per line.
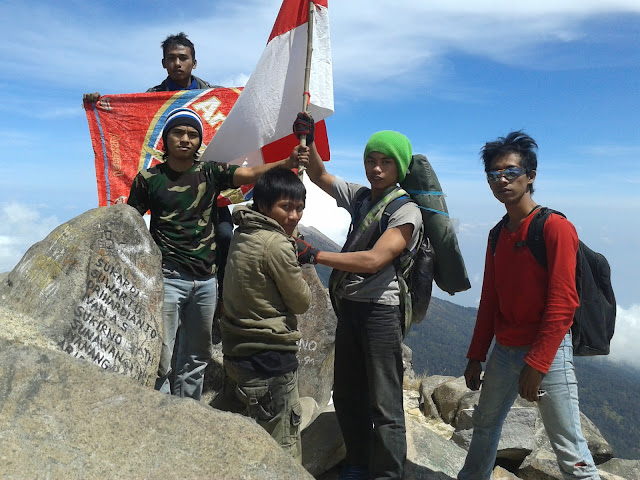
column 364, row 291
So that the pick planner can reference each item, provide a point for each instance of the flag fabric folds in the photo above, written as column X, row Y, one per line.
column 274, row 93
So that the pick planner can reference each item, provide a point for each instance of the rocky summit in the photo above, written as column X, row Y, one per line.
column 79, row 351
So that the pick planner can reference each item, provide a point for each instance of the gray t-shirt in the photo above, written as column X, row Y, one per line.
column 381, row 287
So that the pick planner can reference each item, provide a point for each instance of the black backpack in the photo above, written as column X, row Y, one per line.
column 594, row 320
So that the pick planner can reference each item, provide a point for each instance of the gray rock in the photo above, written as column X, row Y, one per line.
column 410, row 376
column 310, row 411
column 623, row 468
column 427, row 387
column 94, row 285
column 500, row 473
column 429, row 455
column 518, row 433
column 600, row 449
column 322, row 444
column 213, row 374
column 317, row 346
column 447, row 396
column 541, row 464
column 466, row 406
column 61, row 418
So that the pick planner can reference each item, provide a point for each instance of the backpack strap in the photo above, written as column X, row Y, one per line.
column 494, row 233
column 392, row 208
column 358, row 214
column 535, row 234
column 364, row 227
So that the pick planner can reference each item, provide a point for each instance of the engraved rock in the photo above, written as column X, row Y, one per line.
column 317, row 345
column 93, row 289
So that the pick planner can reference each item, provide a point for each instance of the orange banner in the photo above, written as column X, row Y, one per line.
column 126, row 135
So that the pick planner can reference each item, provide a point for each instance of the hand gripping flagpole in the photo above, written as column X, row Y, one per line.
column 307, row 75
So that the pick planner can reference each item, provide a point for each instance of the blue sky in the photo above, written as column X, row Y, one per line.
column 450, row 75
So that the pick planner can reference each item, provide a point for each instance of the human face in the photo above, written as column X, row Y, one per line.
column 179, row 63
column 183, row 142
column 286, row 212
column 510, row 191
column 382, row 171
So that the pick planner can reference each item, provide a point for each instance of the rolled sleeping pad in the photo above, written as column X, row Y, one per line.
column 422, row 183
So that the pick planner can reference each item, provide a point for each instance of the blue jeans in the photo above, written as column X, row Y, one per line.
column 367, row 391
column 558, row 409
column 190, row 303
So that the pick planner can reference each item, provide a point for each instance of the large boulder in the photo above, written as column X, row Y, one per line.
column 623, row 468
column 429, row 455
column 317, row 345
column 446, row 397
column 62, row 418
column 428, row 385
column 542, row 463
column 322, row 444
column 93, row 289
column 518, row 433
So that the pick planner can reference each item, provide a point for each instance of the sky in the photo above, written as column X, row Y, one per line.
column 449, row 75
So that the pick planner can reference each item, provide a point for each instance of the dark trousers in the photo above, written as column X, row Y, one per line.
column 224, row 232
column 368, row 386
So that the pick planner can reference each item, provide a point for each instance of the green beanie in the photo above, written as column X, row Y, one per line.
column 394, row 145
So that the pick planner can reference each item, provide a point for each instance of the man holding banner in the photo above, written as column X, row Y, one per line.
column 181, row 193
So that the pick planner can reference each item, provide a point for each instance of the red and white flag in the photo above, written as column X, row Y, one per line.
column 262, row 117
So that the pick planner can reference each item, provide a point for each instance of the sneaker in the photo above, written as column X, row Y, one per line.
column 354, row 472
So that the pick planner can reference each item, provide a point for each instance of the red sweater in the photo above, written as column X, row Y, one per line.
column 522, row 304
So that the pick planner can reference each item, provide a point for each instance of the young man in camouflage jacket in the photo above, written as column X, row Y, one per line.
column 181, row 193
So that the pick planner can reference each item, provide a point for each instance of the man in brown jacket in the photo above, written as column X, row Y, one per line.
column 263, row 290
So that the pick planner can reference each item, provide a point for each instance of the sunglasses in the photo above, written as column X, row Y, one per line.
column 509, row 173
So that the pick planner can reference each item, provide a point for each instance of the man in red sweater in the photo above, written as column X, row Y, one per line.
column 529, row 310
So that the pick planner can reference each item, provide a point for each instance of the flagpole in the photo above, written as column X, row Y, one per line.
column 307, row 76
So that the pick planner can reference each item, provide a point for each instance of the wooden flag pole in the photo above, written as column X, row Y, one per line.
column 307, row 76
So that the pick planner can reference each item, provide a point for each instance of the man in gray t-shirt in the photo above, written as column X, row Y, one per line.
column 368, row 359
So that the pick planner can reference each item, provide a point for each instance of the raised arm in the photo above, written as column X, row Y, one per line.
column 317, row 173
column 391, row 244
column 304, row 125
column 248, row 175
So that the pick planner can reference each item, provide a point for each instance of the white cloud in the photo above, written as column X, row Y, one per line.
column 412, row 38
column 20, row 227
column 624, row 345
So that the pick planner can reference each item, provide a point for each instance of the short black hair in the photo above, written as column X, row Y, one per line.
column 179, row 39
column 516, row 142
column 276, row 184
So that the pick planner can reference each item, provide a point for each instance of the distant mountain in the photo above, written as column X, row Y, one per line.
column 609, row 392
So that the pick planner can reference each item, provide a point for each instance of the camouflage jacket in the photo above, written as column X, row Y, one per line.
column 183, row 219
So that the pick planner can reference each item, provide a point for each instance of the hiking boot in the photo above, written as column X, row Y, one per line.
column 354, row 472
